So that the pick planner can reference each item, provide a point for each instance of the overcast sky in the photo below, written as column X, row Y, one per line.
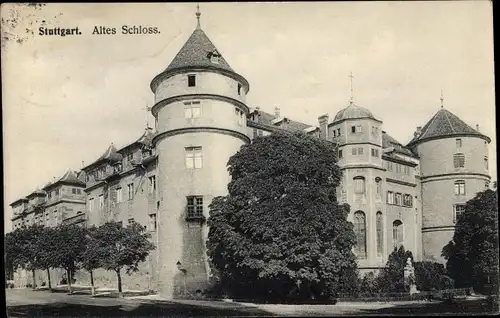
column 65, row 99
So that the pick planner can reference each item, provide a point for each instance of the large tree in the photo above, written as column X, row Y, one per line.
column 121, row 247
column 472, row 255
column 91, row 258
column 69, row 246
column 280, row 231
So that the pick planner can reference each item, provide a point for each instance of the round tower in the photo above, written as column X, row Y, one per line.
column 454, row 167
column 358, row 135
column 201, row 115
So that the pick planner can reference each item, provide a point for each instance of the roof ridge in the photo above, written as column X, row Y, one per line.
column 448, row 119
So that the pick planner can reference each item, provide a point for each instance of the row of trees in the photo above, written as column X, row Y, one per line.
column 72, row 247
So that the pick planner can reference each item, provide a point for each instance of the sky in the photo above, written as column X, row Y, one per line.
column 65, row 99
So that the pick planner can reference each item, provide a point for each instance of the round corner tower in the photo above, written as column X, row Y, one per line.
column 200, row 114
column 454, row 168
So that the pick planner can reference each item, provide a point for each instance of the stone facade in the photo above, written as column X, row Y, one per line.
column 166, row 180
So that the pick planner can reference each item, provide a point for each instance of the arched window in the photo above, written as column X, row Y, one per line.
column 360, row 231
column 359, row 185
column 397, row 233
column 459, row 160
column 460, row 187
column 380, row 233
column 378, row 185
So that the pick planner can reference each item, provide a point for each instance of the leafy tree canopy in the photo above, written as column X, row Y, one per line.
column 391, row 278
column 280, row 230
column 472, row 255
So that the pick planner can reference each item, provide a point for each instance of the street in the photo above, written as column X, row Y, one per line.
column 42, row 303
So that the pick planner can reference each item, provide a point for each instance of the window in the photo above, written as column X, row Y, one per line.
column 49, row 195
column 398, row 167
column 239, row 89
column 130, row 156
column 130, row 189
column 261, row 133
column 194, row 207
column 91, row 204
column 380, row 233
column 399, row 199
column 460, row 187
column 194, row 157
column 191, row 80
column 486, row 163
column 390, row 197
column 378, row 185
column 406, row 170
column 152, row 184
column 359, row 185
column 459, row 143
column 354, row 151
column 358, row 129
column 73, row 190
column 360, row 151
column 458, row 210
column 374, row 152
column 360, row 231
column 130, row 221
column 78, row 191
column 192, row 109
column 459, row 160
column 397, row 233
column 152, row 222
column 389, row 166
column 255, row 131
column 56, row 193
column 340, row 153
column 240, row 115
column 353, row 129
column 408, row 200
column 334, row 133
column 119, row 195
column 101, row 201
column 338, row 132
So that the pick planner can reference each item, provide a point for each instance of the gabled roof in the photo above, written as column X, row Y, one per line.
column 19, row 201
column 445, row 124
column 37, row 192
column 110, row 154
column 196, row 52
column 267, row 119
column 388, row 142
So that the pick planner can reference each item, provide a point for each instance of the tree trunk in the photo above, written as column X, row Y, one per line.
column 48, row 278
column 68, row 273
column 120, row 295
column 34, row 279
column 92, row 282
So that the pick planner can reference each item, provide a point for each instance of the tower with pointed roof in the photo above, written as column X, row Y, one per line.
column 454, row 167
column 201, row 116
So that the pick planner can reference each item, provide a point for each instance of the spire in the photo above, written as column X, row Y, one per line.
column 198, row 14
column 442, row 98
column 351, row 100
column 147, row 109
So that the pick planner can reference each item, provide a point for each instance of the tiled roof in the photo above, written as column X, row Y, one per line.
column 71, row 177
column 37, row 192
column 445, row 124
column 110, row 154
column 266, row 119
column 196, row 52
column 147, row 137
column 388, row 141
column 353, row 112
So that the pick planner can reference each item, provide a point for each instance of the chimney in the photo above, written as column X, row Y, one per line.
column 418, row 132
column 276, row 112
column 323, row 126
column 477, row 127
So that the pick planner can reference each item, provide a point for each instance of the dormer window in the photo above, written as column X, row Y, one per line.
column 214, row 56
column 191, row 80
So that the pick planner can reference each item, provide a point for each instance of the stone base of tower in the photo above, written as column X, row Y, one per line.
column 433, row 242
column 185, row 268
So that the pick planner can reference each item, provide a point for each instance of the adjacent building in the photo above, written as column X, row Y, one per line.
column 165, row 180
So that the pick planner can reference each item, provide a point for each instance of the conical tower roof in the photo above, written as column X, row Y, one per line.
column 71, row 177
column 111, row 154
column 197, row 52
column 445, row 124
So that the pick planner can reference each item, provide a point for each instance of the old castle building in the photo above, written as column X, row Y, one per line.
column 399, row 195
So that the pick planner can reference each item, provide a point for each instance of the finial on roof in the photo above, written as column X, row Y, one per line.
column 442, row 98
column 198, row 14
column 351, row 100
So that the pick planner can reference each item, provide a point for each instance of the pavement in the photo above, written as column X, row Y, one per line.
column 43, row 303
